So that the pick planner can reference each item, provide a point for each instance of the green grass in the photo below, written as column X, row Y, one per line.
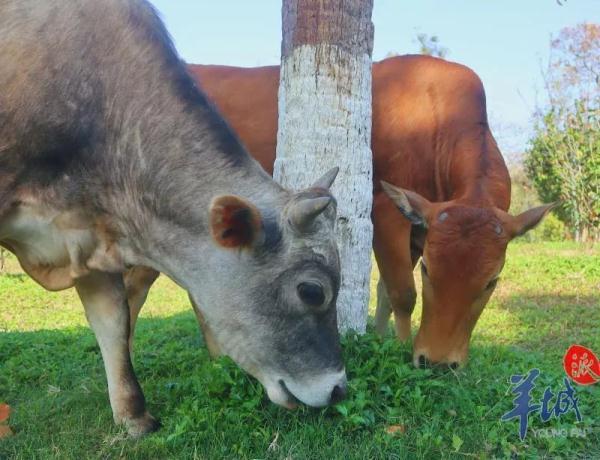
column 52, row 376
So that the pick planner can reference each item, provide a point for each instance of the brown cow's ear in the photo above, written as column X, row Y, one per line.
column 412, row 205
column 234, row 222
column 519, row 225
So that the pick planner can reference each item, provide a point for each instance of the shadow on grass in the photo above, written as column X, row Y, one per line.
column 518, row 302
column 14, row 276
column 555, row 321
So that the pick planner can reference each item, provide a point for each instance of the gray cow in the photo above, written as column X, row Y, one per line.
column 111, row 157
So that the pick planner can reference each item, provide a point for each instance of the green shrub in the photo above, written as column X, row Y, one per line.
column 550, row 229
column 524, row 197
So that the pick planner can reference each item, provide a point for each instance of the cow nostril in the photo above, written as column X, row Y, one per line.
column 422, row 361
column 454, row 366
column 338, row 394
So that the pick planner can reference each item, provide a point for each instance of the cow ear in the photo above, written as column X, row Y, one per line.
column 519, row 225
column 412, row 205
column 234, row 222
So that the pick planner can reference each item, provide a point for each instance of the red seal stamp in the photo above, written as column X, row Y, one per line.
column 581, row 365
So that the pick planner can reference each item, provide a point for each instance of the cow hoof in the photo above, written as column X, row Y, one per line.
column 138, row 427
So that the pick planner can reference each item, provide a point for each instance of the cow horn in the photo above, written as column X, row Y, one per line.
column 326, row 180
column 305, row 211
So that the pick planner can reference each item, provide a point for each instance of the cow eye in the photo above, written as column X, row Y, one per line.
column 424, row 268
column 311, row 294
column 492, row 284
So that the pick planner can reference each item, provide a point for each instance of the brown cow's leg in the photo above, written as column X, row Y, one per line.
column 403, row 308
column 383, row 310
column 105, row 301
column 391, row 243
column 211, row 343
column 138, row 281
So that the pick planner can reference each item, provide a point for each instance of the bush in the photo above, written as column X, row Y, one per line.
column 563, row 160
column 551, row 229
column 563, row 163
column 524, row 197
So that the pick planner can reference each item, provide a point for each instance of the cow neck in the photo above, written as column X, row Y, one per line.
column 168, row 173
column 475, row 175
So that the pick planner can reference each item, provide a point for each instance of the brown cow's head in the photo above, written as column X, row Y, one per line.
column 464, row 248
column 272, row 304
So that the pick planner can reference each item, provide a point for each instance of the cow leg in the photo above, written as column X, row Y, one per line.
column 383, row 310
column 138, row 281
column 209, row 338
column 391, row 243
column 105, row 301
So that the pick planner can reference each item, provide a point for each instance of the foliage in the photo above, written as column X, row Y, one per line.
column 523, row 194
column 524, row 197
column 563, row 159
column 430, row 46
column 573, row 71
column 52, row 377
column 551, row 229
column 563, row 162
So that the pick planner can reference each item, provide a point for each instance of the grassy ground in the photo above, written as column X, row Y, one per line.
column 51, row 374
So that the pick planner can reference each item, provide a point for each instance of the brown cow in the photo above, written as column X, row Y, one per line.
column 430, row 136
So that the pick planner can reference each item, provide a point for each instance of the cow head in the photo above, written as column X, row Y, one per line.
column 272, row 305
column 464, row 248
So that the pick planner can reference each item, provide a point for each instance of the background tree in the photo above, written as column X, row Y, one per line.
column 564, row 164
column 325, row 121
column 430, row 46
column 563, row 160
column 524, row 197
column 573, row 71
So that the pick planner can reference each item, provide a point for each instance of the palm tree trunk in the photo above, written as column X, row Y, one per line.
column 325, row 121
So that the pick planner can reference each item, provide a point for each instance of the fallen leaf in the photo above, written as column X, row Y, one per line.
column 4, row 412
column 396, row 429
column 5, row 431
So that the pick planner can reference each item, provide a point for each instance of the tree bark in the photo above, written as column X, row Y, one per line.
column 325, row 121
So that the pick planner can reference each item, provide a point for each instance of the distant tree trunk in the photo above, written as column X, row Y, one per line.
column 325, row 121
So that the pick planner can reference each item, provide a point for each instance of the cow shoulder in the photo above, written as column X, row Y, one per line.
column 57, row 246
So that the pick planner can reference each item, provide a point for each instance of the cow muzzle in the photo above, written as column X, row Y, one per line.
column 450, row 352
column 316, row 391
column 422, row 361
column 424, row 357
